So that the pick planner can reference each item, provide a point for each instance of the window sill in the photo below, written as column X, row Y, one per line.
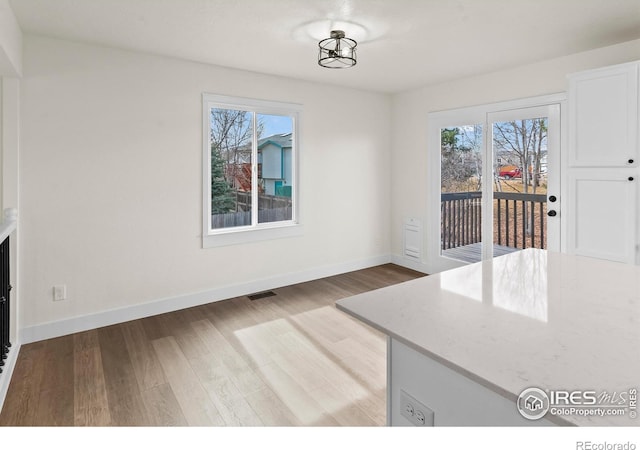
column 245, row 236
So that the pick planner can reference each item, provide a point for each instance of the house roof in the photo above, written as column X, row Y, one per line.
column 280, row 140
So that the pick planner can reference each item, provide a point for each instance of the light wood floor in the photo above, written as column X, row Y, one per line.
column 292, row 359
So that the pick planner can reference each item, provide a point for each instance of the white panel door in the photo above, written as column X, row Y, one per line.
column 603, row 129
column 602, row 213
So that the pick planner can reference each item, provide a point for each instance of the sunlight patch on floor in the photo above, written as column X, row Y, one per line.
column 303, row 355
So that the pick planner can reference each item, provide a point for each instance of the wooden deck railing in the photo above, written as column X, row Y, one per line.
column 461, row 215
column 518, row 219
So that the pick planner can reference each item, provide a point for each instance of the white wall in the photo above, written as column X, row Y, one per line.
column 410, row 110
column 10, row 67
column 111, row 177
column 111, row 186
column 10, row 42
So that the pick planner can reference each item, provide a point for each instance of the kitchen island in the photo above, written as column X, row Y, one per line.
column 464, row 344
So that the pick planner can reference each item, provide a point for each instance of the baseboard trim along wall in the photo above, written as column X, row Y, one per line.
column 7, row 371
column 412, row 264
column 104, row 318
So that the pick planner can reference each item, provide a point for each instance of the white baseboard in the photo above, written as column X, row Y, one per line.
column 7, row 371
column 413, row 264
column 161, row 306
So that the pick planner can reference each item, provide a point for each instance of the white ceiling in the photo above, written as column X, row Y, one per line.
column 402, row 43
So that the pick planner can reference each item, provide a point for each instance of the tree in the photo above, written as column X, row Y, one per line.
column 231, row 134
column 527, row 139
column 460, row 163
column 222, row 198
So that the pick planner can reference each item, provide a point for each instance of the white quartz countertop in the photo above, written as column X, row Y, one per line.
column 528, row 319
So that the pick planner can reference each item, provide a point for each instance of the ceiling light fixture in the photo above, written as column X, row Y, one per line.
column 337, row 51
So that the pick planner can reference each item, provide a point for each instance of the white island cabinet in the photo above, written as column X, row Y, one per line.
column 466, row 343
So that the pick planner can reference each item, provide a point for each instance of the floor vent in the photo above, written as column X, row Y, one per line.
column 260, row 295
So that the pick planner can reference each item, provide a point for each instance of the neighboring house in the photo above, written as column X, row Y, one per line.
column 510, row 158
column 275, row 160
column 543, row 163
column 274, row 167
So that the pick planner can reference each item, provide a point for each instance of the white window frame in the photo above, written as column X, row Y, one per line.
column 255, row 232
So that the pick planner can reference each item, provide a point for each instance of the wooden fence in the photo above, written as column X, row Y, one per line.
column 271, row 208
column 243, row 218
column 243, row 201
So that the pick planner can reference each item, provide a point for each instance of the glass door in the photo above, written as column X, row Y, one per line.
column 524, row 149
column 461, row 180
column 498, row 177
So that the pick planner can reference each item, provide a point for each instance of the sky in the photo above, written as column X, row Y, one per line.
column 272, row 124
column 275, row 124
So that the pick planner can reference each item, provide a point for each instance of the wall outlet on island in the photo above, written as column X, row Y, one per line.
column 415, row 412
column 59, row 292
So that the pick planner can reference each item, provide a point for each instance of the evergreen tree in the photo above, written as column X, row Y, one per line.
column 222, row 199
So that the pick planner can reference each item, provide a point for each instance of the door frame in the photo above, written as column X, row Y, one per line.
column 480, row 115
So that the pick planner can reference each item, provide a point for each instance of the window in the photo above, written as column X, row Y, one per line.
column 250, row 170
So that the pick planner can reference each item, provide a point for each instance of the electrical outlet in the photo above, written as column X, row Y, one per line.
column 415, row 412
column 59, row 292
